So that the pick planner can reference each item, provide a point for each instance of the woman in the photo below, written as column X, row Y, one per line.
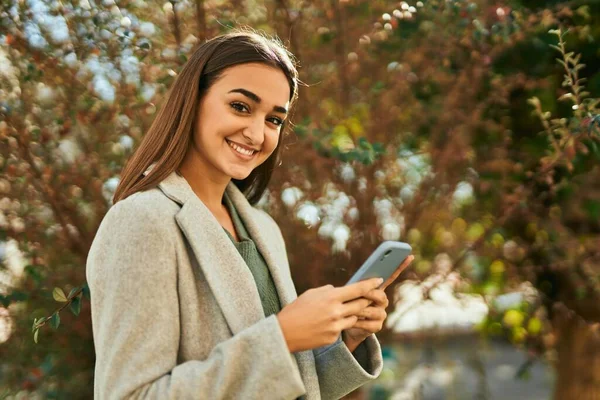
column 190, row 286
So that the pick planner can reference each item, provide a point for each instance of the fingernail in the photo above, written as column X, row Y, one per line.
column 379, row 281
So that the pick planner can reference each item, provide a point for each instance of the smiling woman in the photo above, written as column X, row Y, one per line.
column 191, row 291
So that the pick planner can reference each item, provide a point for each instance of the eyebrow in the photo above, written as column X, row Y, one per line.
column 257, row 100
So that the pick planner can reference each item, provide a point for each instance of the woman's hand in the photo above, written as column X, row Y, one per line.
column 319, row 315
column 371, row 318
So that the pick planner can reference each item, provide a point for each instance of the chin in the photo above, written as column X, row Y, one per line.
column 239, row 175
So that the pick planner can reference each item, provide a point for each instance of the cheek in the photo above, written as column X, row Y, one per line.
column 271, row 141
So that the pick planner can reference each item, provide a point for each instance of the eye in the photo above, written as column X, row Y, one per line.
column 276, row 121
column 239, row 107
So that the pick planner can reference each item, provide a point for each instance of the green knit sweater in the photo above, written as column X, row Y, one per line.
column 247, row 249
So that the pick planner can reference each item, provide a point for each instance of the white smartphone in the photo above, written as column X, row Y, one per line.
column 382, row 263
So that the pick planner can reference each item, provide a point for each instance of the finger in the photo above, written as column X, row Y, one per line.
column 377, row 297
column 398, row 271
column 354, row 307
column 326, row 287
column 373, row 314
column 368, row 325
column 358, row 289
column 348, row 322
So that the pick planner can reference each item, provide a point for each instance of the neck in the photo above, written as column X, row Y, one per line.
column 206, row 186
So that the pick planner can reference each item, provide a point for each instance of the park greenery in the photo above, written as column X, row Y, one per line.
column 469, row 129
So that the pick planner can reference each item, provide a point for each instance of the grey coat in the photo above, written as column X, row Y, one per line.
column 176, row 313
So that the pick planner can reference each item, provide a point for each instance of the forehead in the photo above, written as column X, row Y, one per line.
column 269, row 83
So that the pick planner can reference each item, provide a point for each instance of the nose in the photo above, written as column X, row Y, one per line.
column 255, row 131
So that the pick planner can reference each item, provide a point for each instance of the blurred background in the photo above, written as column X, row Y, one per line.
column 469, row 129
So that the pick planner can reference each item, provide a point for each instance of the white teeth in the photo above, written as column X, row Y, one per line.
column 240, row 150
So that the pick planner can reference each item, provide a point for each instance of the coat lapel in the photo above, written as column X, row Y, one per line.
column 225, row 270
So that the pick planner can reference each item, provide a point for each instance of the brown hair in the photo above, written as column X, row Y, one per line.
column 169, row 136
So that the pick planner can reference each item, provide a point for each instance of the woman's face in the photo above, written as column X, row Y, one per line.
column 239, row 120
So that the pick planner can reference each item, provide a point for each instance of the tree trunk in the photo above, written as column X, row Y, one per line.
column 578, row 359
column 201, row 20
column 339, row 15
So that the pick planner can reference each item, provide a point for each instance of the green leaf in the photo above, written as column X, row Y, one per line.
column 59, row 295
column 86, row 291
column 55, row 321
column 584, row 11
column 593, row 209
column 34, row 272
column 35, row 335
column 34, row 324
column 18, row 296
column 364, row 143
column 566, row 96
column 378, row 148
column 76, row 305
column 72, row 292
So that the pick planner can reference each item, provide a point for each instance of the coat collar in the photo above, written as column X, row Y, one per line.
column 225, row 270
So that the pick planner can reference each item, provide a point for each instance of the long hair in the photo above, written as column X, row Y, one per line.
column 170, row 134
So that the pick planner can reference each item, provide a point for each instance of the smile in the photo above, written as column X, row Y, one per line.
column 247, row 154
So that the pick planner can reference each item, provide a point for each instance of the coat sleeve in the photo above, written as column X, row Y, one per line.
column 339, row 370
column 132, row 275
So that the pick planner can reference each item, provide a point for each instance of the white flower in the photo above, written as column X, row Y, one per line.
column 383, row 208
column 147, row 29
column 463, row 193
column 353, row 214
column 126, row 142
column 69, row 150
column 130, row 67
column 45, row 94
column 148, row 91
column 17, row 225
column 391, row 231
column 34, row 35
column 407, row 193
column 123, row 121
column 103, row 88
column 341, row 202
column 509, row 300
column 326, row 228
column 71, row 59
column 109, row 187
column 309, row 213
column 54, row 25
column 290, row 196
column 347, row 173
column 341, row 234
